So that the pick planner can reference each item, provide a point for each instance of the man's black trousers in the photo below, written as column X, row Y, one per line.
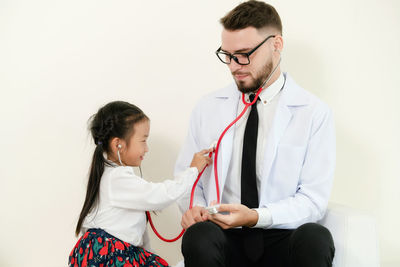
column 205, row 244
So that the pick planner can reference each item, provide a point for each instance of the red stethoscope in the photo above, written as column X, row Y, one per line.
column 247, row 105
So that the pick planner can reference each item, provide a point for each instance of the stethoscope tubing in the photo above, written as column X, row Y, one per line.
column 247, row 105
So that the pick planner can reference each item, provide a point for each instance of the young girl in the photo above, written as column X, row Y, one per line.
column 113, row 220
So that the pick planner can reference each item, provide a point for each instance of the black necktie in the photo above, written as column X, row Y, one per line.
column 252, row 237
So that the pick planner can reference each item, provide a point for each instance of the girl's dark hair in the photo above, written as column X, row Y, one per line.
column 113, row 120
column 252, row 13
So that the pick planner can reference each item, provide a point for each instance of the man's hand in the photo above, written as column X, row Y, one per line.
column 194, row 215
column 239, row 215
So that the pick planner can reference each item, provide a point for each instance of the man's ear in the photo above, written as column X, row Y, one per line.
column 278, row 44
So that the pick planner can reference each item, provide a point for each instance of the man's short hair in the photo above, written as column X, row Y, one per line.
column 257, row 14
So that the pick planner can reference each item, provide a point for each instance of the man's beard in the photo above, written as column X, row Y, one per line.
column 259, row 80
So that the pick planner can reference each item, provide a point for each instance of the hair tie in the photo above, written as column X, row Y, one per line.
column 99, row 143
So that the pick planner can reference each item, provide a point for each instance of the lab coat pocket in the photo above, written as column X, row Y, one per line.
column 288, row 165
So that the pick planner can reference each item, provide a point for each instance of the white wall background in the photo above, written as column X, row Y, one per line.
column 61, row 60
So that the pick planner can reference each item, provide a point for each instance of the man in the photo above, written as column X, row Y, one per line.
column 275, row 165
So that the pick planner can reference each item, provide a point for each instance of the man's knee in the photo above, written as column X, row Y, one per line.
column 313, row 231
column 312, row 242
column 201, row 236
column 204, row 244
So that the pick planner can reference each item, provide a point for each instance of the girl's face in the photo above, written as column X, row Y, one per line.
column 133, row 154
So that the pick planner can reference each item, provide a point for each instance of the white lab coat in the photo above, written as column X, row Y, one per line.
column 299, row 160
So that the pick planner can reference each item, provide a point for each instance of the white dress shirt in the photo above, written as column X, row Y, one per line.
column 266, row 107
column 124, row 197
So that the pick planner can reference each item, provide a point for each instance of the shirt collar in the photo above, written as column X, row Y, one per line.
column 267, row 94
column 109, row 162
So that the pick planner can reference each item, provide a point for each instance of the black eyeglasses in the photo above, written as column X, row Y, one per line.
column 240, row 58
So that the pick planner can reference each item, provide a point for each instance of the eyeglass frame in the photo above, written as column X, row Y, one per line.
column 240, row 53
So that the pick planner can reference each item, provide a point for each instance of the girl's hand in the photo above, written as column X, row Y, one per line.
column 194, row 215
column 201, row 159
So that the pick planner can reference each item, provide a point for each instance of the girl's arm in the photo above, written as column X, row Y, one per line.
column 126, row 190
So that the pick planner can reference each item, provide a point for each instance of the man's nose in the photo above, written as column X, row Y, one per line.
column 234, row 66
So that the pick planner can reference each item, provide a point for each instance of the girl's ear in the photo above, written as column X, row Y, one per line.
column 117, row 144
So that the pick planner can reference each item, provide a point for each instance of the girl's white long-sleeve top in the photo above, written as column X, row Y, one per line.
column 124, row 197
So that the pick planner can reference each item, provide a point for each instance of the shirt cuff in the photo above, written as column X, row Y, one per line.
column 194, row 170
column 264, row 218
column 187, row 176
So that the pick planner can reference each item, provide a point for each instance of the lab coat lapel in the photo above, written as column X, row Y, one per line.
column 292, row 96
column 281, row 120
column 229, row 106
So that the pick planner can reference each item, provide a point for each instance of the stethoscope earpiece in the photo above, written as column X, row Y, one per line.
column 119, row 156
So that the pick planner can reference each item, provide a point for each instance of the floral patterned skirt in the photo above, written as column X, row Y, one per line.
column 98, row 248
